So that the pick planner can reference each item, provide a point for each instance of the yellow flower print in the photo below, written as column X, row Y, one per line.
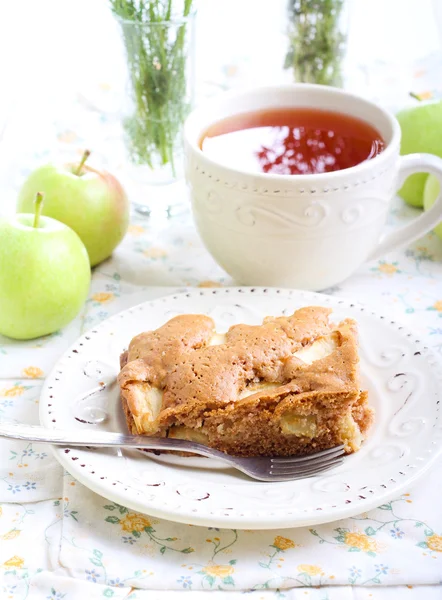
column 16, row 390
column 11, row 534
column 33, row 372
column 388, row 268
column 434, row 542
column 311, row 570
column 283, row 543
column 155, row 253
column 135, row 230
column 103, row 297
column 219, row 570
column 67, row 137
column 438, row 305
column 15, row 561
column 134, row 522
column 361, row 541
column 231, row 70
column 209, row 284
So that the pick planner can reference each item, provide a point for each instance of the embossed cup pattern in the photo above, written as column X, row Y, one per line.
column 302, row 231
column 308, row 241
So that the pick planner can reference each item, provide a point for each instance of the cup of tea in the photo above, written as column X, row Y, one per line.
column 291, row 185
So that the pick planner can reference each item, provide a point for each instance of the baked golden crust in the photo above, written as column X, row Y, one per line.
column 287, row 386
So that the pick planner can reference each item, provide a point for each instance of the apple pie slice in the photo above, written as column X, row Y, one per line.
column 288, row 386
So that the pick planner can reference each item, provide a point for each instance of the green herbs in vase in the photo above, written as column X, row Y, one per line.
column 156, row 36
column 316, row 41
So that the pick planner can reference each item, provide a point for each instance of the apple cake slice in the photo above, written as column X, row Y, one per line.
column 288, row 386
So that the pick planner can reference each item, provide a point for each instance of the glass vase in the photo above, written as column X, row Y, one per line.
column 317, row 33
column 160, row 76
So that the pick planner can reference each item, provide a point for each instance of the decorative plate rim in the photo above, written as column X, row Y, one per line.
column 134, row 499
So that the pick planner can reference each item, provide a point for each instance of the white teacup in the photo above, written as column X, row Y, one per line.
column 302, row 231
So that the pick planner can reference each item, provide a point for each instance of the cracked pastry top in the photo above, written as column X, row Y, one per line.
column 288, row 386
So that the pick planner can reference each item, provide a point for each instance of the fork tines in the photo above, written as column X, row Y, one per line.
column 307, row 465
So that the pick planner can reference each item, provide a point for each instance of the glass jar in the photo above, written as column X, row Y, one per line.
column 160, row 76
column 317, row 32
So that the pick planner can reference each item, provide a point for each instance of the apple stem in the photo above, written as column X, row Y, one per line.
column 84, row 158
column 415, row 96
column 38, row 208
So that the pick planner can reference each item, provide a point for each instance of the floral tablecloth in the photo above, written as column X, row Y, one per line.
column 60, row 540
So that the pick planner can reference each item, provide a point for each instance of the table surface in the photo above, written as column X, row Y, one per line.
column 60, row 540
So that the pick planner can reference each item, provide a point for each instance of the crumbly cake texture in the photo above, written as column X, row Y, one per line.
column 288, row 386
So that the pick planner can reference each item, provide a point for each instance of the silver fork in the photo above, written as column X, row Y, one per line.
column 262, row 468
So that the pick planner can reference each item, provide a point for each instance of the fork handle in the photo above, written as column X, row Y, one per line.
column 101, row 439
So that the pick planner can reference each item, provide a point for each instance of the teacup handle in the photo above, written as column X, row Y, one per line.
column 409, row 164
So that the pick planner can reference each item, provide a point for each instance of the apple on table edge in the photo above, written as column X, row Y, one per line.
column 431, row 192
column 92, row 203
column 44, row 275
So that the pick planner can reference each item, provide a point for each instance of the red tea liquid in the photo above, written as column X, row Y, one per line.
column 291, row 141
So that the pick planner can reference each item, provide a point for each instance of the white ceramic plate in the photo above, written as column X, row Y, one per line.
column 402, row 376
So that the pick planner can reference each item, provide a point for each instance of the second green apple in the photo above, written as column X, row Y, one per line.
column 421, row 127
column 91, row 202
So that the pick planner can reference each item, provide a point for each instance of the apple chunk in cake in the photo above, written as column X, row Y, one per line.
column 288, row 386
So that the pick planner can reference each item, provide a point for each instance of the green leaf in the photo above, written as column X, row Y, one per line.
column 123, row 510
column 73, row 513
column 313, row 531
column 228, row 580
column 376, row 580
column 170, row 539
column 339, row 538
column 187, row 550
column 97, row 553
column 373, row 554
column 419, row 524
column 163, row 549
column 422, row 545
column 136, row 534
column 96, row 562
column 109, row 507
column 210, row 579
column 149, row 529
column 353, row 549
column 385, row 506
column 108, row 593
column 428, row 532
column 137, row 574
column 57, row 503
column 233, row 561
column 370, row 531
column 342, row 529
column 53, row 591
column 112, row 519
column 263, row 565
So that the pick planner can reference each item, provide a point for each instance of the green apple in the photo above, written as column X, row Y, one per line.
column 90, row 202
column 431, row 192
column 421, row 127
column 44, row 275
